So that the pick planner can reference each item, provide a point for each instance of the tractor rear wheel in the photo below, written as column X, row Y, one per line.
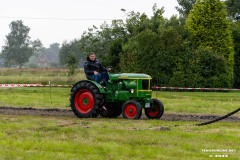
column 85, row 99
column 131, row 110
column 111, row 110
column 156, row 110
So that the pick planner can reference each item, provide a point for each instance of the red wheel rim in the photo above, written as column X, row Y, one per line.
column 130, row 110
column 84, row 101
column 153, row 112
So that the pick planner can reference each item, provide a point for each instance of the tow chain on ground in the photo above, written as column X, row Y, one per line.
column 218, row 119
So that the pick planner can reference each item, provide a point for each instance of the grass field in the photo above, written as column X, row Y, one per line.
column 26, row 137
column 39, row 76
column 199, row 102
column 42, row 137
column 217, row 103
column 40, row 97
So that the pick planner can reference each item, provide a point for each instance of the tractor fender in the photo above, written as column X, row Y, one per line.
column 101, row 89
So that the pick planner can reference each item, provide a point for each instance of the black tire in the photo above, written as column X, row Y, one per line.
column 110, row 110
column 131, row 110
column 156, row 109
column 85, row 99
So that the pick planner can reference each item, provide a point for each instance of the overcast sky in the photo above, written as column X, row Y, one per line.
column 84, row 14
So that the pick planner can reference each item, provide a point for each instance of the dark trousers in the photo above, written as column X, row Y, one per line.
column 100, row 76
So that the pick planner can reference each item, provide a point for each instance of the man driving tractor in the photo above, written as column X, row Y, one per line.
column 94, row 69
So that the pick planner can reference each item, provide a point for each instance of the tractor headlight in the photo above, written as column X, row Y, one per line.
column 131, row 90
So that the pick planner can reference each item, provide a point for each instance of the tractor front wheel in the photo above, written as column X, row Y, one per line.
column 131, row 110
column 156, row 110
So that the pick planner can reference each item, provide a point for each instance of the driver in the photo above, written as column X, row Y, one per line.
column 94, row 69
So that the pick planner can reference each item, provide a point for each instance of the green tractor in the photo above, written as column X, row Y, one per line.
column 125, row 94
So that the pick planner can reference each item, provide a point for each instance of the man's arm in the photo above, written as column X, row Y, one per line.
column 87, row 70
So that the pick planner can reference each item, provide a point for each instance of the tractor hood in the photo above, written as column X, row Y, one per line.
column 115, row 77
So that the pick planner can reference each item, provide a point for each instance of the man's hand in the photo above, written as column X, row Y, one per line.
column 95, row 72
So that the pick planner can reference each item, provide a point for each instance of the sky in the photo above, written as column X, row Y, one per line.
column 56, row 21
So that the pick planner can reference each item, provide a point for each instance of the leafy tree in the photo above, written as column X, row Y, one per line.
column 236, row 38
column 138, row 51
column 141, row 44
column 170, row 50
column 17, row 49
column 96, row 41
column 103, row 42
column 209, row 28
column 119, row 38
column 202, row 67
column 157, row 21
column 37, row 47
column 113, row 58
column 136, row 23
column 53, row 54
column 142, row 39
column 233, row 7
column 71, row 63
column 185, row 7
column 68, row 49
column 154, row 52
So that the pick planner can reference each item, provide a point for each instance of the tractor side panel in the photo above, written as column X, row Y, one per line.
column 145, row 94
column 117, row 96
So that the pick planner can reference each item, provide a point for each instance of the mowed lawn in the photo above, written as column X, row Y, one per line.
column 217, row 103
column 61, row 138
column 44, row 137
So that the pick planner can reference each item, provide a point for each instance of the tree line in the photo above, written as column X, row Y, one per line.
column 20, row 50
column 199, row 48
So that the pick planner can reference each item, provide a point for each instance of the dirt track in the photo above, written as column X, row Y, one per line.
column 68, row 113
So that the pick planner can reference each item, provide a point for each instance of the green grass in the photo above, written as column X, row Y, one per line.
column 39, row 76
column 39, row 97
column 64, row 138
column 218, row 103
column 175, row 102
column 26, row 137
column 199, row 102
